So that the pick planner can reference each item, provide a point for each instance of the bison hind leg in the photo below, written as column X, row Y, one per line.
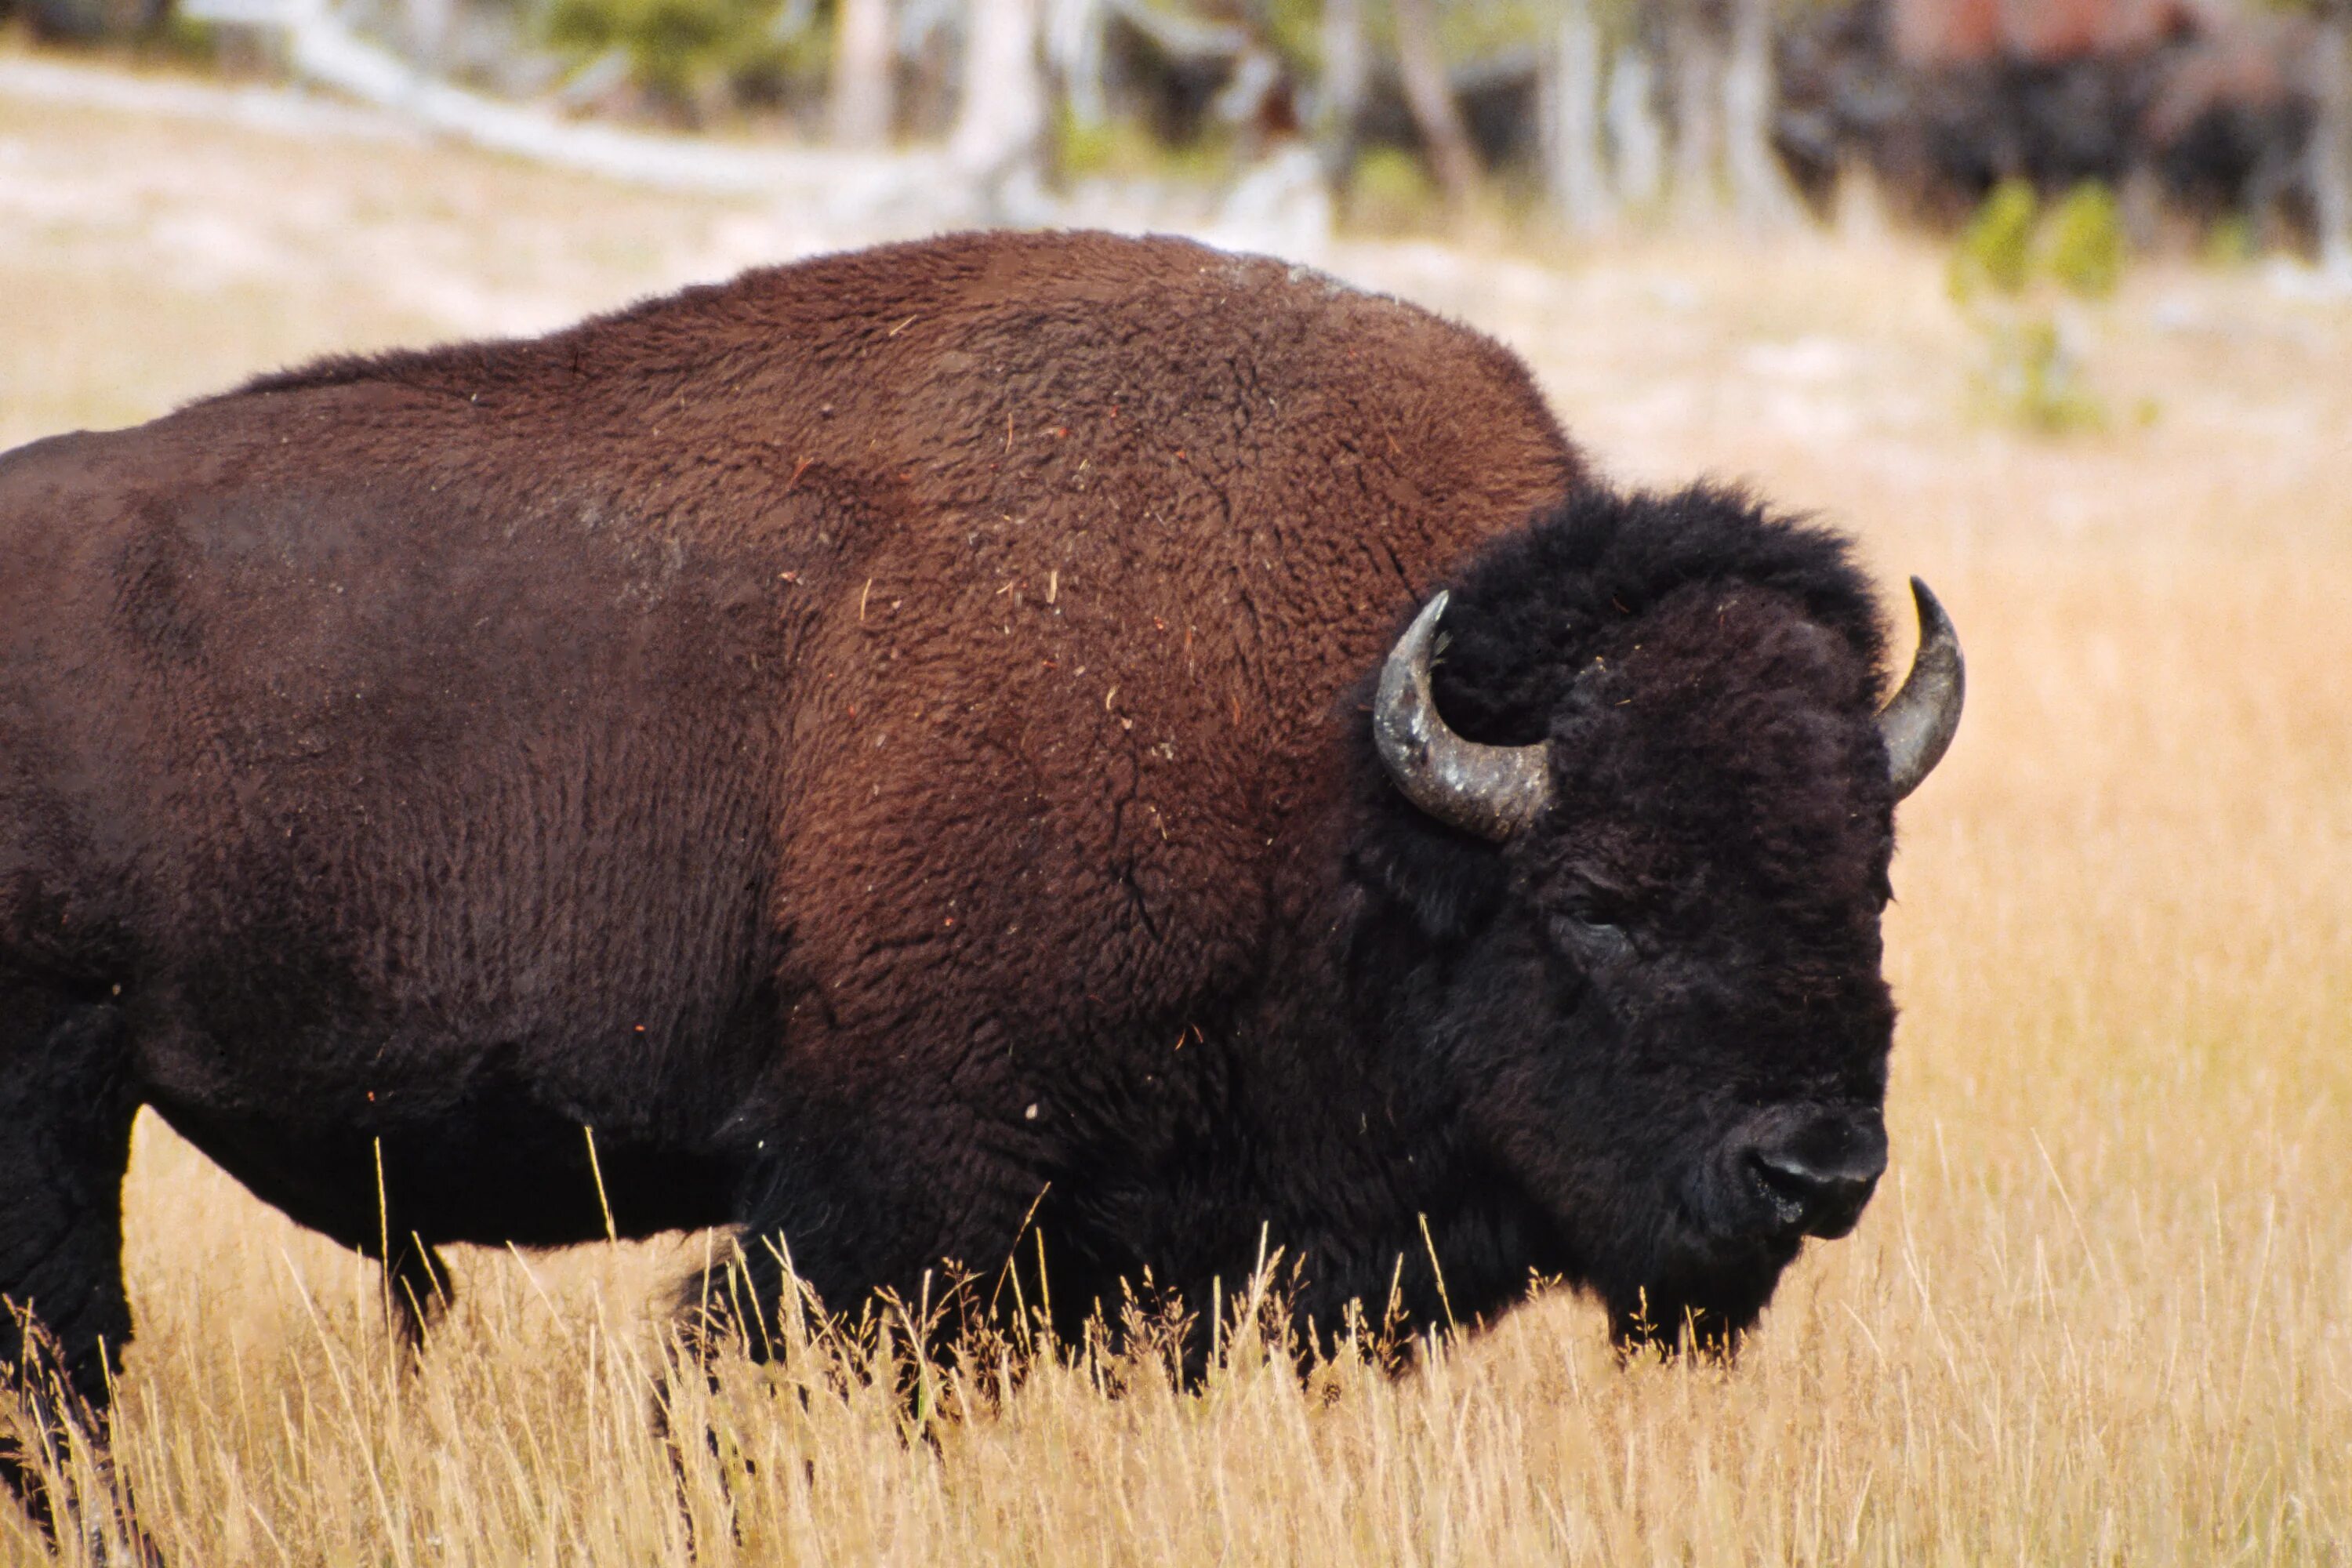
column 66, row 1101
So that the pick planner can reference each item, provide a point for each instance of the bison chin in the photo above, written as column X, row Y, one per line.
column 1739, row 1216
column 1707, row 1311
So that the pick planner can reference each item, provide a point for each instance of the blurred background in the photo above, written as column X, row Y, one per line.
column 2221, row 124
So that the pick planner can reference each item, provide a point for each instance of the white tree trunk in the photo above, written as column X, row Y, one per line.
column 1571, row 101
column 1761, row 192
column 1698, row 66
column 864, row 73
column 1637, row 143
column 425, row 27
column 1001, row 127
column 1074, row 48
column 835, row 189
column 1347, row 74
column 2331, row 143
column 1429, row 96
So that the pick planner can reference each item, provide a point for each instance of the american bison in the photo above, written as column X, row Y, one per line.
column 993, row 739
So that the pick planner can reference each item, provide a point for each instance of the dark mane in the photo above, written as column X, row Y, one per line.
column 1532, row 604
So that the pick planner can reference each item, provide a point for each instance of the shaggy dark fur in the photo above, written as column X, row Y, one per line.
column 1688, row 938
column 881, row 742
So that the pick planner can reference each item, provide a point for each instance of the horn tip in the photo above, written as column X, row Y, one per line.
column 1930, row 606
column 1422, row 633
column 1935, row 626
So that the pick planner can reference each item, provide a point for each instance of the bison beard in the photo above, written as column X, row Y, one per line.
column 885, row 744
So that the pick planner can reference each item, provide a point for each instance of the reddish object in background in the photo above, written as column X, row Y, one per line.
column 1958, row 32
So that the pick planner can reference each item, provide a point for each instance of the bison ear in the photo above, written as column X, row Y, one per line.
column 1445, row 888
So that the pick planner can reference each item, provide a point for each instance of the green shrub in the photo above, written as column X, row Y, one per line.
column 1121, row 147
column 2033, row 380
column 1996, row 249
column 678, row 49
column 2230, row 242
column 1391, row 189
column 2014, row 271
column 2082, row 242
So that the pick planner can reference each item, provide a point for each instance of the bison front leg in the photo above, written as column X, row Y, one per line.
column 920, row 1213
column 416, row 1288
column 65, row 1107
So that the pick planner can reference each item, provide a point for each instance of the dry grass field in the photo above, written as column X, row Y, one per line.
column 2101, row 1311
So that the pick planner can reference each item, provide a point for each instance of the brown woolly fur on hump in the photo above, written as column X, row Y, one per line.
column 1535, row 606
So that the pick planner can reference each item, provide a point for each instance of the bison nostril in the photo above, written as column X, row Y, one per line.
column 1785, row 1169
column 1794, row 1170
column 1816, row 1190
column 1789, row 1187
column 1786, row 1175
column 1788, row 1200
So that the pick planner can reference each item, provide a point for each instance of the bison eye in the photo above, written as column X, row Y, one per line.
column 1590, row 937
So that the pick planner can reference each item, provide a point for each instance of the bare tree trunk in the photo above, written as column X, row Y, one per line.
column 1697, row 61
column 1347, row 72
column 1001, row 127
column 425, row 27
column 1761, row 192
column 864, row 73
column 2331, row 141
column 1075, row 48
column 1571, row 99
column 1637, row 146
column 1430, row 98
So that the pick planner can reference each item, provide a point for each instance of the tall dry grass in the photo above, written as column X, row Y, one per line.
column 2097, row 1313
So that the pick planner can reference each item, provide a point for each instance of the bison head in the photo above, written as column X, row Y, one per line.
column 1642, row 858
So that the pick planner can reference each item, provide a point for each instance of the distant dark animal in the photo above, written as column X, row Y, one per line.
column 925, row 747
column 2212, row 110
column 85, row 21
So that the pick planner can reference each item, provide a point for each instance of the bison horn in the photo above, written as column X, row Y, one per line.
column 1491, row 791
column 1919, row 720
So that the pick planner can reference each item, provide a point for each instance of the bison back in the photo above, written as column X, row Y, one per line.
column 896, row 678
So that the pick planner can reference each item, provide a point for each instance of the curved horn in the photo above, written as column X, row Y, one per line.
column 1491, row 791
column 1919, row 720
